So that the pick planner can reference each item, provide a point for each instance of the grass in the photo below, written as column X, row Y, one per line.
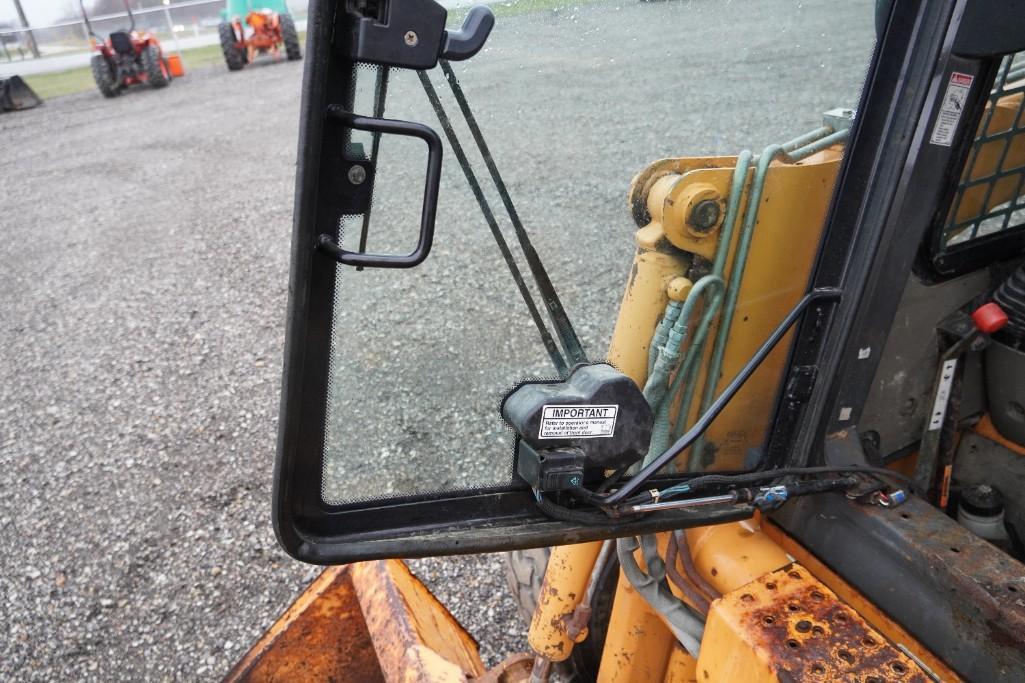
column 81, row 80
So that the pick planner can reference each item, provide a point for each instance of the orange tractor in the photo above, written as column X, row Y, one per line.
column 126, row 58
column 264, row 30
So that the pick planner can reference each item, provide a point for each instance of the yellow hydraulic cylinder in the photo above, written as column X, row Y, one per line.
column 638, row 644
column 569, row 569
column 656, row 265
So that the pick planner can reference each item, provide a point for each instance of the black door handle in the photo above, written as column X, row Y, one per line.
column 470, row 38
column 327, row 243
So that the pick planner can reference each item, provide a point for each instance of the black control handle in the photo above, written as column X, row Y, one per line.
column 327, row 243
column 470, row 38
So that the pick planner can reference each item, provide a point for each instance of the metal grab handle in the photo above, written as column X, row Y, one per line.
column 471, row 36
column 327, row 243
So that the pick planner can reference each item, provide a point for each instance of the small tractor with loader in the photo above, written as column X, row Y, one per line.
column 250, row 28
column 801, row 458
column 126, row 57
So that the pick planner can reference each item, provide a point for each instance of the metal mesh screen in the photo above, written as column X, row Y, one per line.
column 989, row 197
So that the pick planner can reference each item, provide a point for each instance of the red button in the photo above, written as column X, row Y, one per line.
column 989, row 318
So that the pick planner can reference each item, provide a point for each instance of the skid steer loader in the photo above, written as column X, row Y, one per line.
column 801, row 458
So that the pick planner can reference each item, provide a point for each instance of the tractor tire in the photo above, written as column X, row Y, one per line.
column 105, row 77
column 525, row 570
column 290, row 37
column 234, row 56
column 157, row 73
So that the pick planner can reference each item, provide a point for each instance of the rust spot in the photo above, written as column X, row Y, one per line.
column 805, row 633
column 322, row 636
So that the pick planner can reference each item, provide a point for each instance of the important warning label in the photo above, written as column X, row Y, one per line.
column 581, row 422
column 951, row 107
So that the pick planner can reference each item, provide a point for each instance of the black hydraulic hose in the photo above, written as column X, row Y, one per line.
column 703, row 422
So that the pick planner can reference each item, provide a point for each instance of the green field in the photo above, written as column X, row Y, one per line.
column 80, row 80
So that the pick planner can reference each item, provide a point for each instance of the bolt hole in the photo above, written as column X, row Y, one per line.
column 794, row 575
column 817, row 630
column 840, row 616
column 868, row 641
column 803, row 626
column 771, row 585
column 793, row 644
column 818, row 669
column 768, row 620
column 747, row 597
column 793, row 607
column 714, row 572
column 817, row 595
column 846, row 656
column 898, row 668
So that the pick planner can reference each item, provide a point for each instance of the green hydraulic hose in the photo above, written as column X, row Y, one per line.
column 661, row 430
column 697, row 347
column 804, row 151
column 655, row 391
column 733, row 291
column 671, row 333
column 666, row 362
column 662, row 332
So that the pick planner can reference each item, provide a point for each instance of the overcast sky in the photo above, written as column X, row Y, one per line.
column 37, row 11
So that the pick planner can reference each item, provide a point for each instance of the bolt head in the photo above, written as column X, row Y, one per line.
column 411, row 38
column 357, row 174
column 705, row 214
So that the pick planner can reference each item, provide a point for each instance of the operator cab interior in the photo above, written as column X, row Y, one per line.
column 947, row 401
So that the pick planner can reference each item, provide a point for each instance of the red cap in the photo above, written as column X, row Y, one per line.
column 989, row 318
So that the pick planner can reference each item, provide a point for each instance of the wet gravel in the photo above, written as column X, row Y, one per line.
column 144, row 251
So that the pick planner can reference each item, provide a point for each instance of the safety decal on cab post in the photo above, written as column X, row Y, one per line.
column 951, row 107
column 578, row 422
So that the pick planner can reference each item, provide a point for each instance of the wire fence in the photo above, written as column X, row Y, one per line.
column 179, row 25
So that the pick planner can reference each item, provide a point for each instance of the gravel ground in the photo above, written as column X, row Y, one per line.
column 142, row 294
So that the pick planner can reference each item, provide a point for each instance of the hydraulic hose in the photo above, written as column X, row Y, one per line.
column 685, row 626
column 732, row 293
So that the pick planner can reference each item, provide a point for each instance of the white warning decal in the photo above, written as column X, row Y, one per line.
column 951, row 107
column 579, row 422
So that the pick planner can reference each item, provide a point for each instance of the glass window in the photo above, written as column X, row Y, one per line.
column 574, row 100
